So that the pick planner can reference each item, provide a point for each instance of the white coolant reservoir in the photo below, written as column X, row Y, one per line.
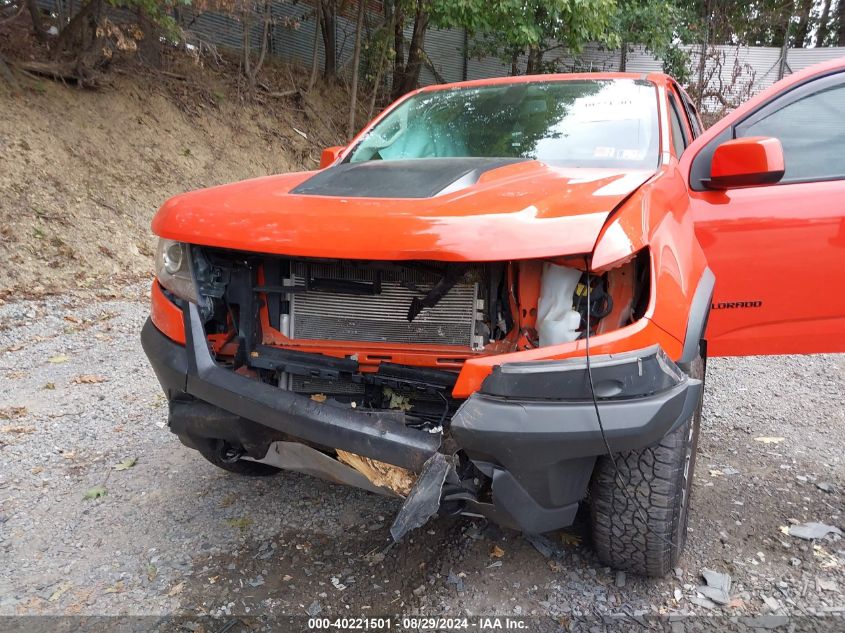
column 557, row 322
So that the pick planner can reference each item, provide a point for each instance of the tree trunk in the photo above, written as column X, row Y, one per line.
column 327, row 25
column 75, row 30
column 380, row 69
column 535, row 58
column 535, row 53
column 265, row 41
column 356, row 63
column 803, row 27
column 416, row 56
column 250, row 71
column 246, row 24
column 824, row 27
column 315, row 55
column 376, row 85
column 781, row 27
column 37, row 24
column 840, row 29
column 399, row 50
column 702, row 62
column 623, row 57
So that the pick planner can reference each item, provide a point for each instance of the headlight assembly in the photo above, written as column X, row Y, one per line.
column 173, row 269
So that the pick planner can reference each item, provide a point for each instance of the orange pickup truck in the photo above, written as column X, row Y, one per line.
column 499, row 298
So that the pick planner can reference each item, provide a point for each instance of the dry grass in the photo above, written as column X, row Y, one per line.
column 82, row 172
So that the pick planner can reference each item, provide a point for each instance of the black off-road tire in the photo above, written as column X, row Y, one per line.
column 639, row 509
column 215, row 454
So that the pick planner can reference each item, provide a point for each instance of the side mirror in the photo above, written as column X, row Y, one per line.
column 330, row 155
column 745, row 162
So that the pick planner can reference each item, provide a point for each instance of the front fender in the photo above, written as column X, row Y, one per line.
column 658, row 216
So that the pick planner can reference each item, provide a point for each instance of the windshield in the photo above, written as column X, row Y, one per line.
column 572, row 123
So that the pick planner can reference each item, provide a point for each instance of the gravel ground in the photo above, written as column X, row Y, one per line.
column 171, row 534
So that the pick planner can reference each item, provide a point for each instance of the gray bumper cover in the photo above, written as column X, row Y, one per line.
column 540, row 452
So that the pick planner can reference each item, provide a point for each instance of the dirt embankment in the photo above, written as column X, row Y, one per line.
column 83, row 172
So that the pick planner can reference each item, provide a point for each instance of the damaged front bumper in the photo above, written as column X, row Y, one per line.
column 192, row 371
column 532, row 428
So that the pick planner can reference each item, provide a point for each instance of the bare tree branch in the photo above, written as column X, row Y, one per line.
column 37, row 24
column 15, row 15
column 380, row 69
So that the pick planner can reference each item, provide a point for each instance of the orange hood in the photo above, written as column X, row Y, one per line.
column 454, row 210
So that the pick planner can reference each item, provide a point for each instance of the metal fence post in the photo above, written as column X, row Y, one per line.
column 784, row 51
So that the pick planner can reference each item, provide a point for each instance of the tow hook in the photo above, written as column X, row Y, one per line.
column 230, row 454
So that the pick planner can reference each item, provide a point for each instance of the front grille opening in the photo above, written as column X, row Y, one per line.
column 348, row 330
column 350, row 301
column 414, row 303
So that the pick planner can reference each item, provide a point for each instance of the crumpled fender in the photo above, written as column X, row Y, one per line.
column 657, row 216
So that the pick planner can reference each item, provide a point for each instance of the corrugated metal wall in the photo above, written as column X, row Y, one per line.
column 445, row 48
column 732, row 72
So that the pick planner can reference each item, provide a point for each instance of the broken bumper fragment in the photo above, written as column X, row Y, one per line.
column 532, row 429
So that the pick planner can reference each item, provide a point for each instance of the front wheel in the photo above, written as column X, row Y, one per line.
column 639, row 507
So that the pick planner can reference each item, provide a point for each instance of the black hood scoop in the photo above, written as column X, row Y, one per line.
column 418, row 178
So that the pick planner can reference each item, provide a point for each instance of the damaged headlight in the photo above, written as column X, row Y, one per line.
column 173, row 269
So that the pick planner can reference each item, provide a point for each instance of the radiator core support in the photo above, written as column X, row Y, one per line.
column 348, row 301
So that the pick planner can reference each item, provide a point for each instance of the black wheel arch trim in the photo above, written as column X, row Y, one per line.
column 699, row 313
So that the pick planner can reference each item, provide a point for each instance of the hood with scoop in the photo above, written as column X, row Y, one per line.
column 448, row 209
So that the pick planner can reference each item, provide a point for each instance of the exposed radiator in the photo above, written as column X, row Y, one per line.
column 382, row 315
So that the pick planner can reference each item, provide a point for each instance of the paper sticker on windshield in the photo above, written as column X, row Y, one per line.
column 630, row 154
column 609, row 103
column 604, row 152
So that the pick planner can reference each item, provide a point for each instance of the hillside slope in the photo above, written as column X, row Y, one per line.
column 82, row 172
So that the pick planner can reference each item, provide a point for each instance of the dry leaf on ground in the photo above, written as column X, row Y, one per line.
column 126, row 464
column 176, row 589
column 60, row 591
column 10, row 413
column 95, row 493
column 89, row 379
column 242, row 523
column 17, row 429
column 769, row 440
